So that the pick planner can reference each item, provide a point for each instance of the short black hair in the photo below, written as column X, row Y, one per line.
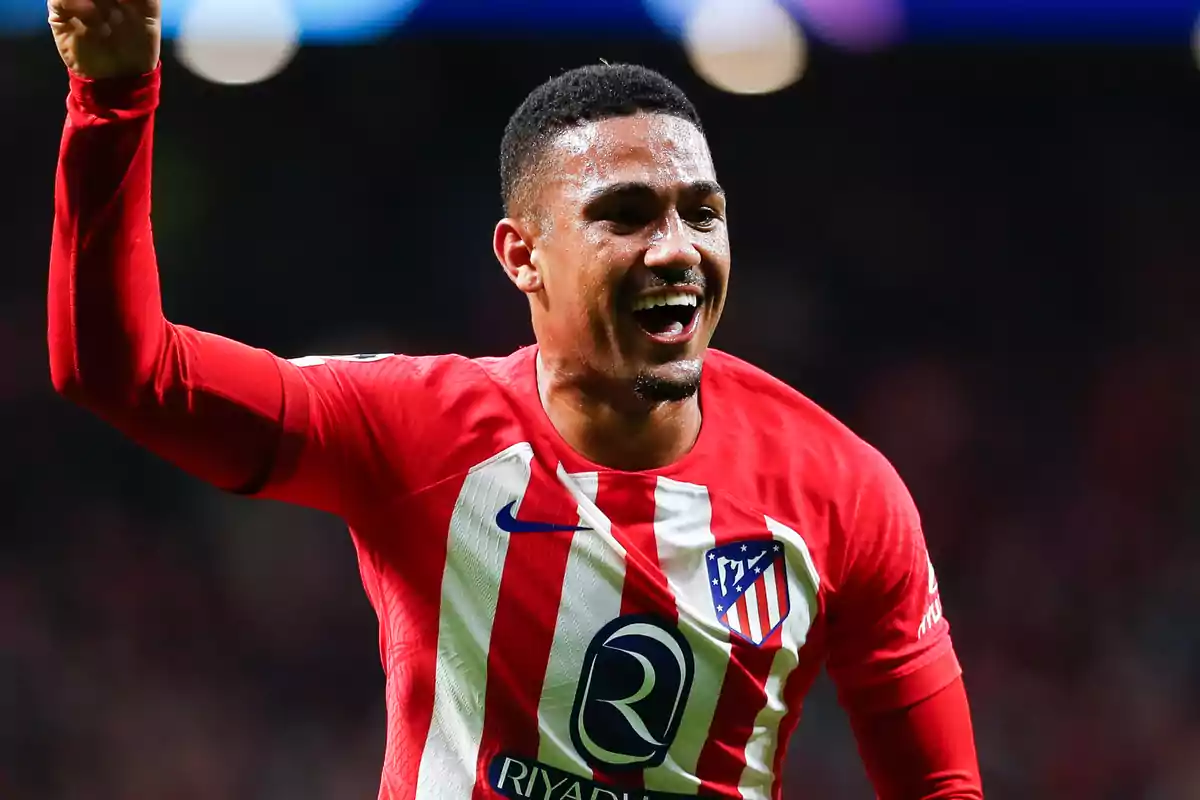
column 583, row 94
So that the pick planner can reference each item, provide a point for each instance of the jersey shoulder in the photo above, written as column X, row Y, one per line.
column 806, row 465
column 802, row 455
column 440, row 377
column 779, row 417
column 430, row 416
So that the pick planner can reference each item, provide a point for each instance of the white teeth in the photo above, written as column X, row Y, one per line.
column 666, row 299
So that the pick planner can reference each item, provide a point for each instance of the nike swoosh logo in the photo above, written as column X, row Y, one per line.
column 507, row 522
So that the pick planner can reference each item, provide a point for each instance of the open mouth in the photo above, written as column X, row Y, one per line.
column 667, row 316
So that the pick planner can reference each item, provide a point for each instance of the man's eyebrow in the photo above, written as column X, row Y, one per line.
column 701, row 188
column 706, row 188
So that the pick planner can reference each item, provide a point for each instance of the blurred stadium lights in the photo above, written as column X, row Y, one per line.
column 745, row 46
column 237, row 42
column 670, row 16
column 325, row 21
column 1196, row 41
column 842, row 21
column 858, row 25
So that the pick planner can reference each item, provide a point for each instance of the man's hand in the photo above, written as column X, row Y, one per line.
column 107, row 38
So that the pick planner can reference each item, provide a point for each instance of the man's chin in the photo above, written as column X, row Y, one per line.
column 669, row 383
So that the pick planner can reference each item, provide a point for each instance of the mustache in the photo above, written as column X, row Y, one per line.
column 670, row 278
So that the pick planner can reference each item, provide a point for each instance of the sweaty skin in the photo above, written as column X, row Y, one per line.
column 626, row 205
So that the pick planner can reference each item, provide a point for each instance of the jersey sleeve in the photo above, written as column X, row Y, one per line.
column 355, row 429
column 925, row 751
column 888, row 641
column 233, row 415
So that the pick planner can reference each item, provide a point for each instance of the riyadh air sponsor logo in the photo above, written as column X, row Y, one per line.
column 520, row 778
column 634, row 685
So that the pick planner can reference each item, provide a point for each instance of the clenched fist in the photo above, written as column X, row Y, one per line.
column 107, row 38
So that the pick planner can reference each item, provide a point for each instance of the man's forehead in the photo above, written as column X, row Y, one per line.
column 646, row 148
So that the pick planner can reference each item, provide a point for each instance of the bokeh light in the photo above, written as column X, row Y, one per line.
column 859, row 25
column 745, row 46
column 235, row 42
column 1196, row 41
column 325, row 21
column 350, row 20
column 670, row 16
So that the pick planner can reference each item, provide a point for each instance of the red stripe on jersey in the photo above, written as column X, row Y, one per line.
column 781, row 592
column 407, row 601
column 628, row 502
column 764, row 612
column 523, row 629
column 743, row 615
column 743, row 693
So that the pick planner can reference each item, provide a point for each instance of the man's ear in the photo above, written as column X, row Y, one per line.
column 513, row 245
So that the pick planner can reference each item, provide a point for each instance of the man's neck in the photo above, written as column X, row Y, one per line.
column 637, row 438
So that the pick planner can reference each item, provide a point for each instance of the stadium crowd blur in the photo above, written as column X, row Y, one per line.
column 983, row 260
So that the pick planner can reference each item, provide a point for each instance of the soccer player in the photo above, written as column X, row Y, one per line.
column 605, row 566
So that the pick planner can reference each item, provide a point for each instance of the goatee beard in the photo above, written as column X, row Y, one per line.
column 659, row 389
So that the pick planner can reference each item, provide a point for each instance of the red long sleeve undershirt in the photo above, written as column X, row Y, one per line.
column 216, row 407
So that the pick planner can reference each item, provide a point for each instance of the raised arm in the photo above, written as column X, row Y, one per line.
column 210, row 405
column 233, row 415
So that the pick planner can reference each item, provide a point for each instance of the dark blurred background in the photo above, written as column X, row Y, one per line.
column 982, row 256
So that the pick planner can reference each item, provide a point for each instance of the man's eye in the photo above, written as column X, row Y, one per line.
column 704, row 217
column 629, row 217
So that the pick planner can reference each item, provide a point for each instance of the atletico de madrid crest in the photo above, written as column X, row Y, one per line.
column 749, row 587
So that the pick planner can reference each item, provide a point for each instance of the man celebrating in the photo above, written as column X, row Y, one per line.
column 606, row 566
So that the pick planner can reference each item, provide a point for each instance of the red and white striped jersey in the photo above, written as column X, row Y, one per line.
column 553, row 629
column 549, row 629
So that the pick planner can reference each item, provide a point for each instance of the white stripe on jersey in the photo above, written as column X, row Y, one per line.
column 812, row 584
column 683, row 532
column 591, row 596
column 735, row 621
column 754, row 626
column 475, row 553
column 759, row 775
column 771, row 587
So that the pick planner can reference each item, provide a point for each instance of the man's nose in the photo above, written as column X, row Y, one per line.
column 672, row 247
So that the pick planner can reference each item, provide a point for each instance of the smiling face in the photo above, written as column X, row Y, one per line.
column 628, row 254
